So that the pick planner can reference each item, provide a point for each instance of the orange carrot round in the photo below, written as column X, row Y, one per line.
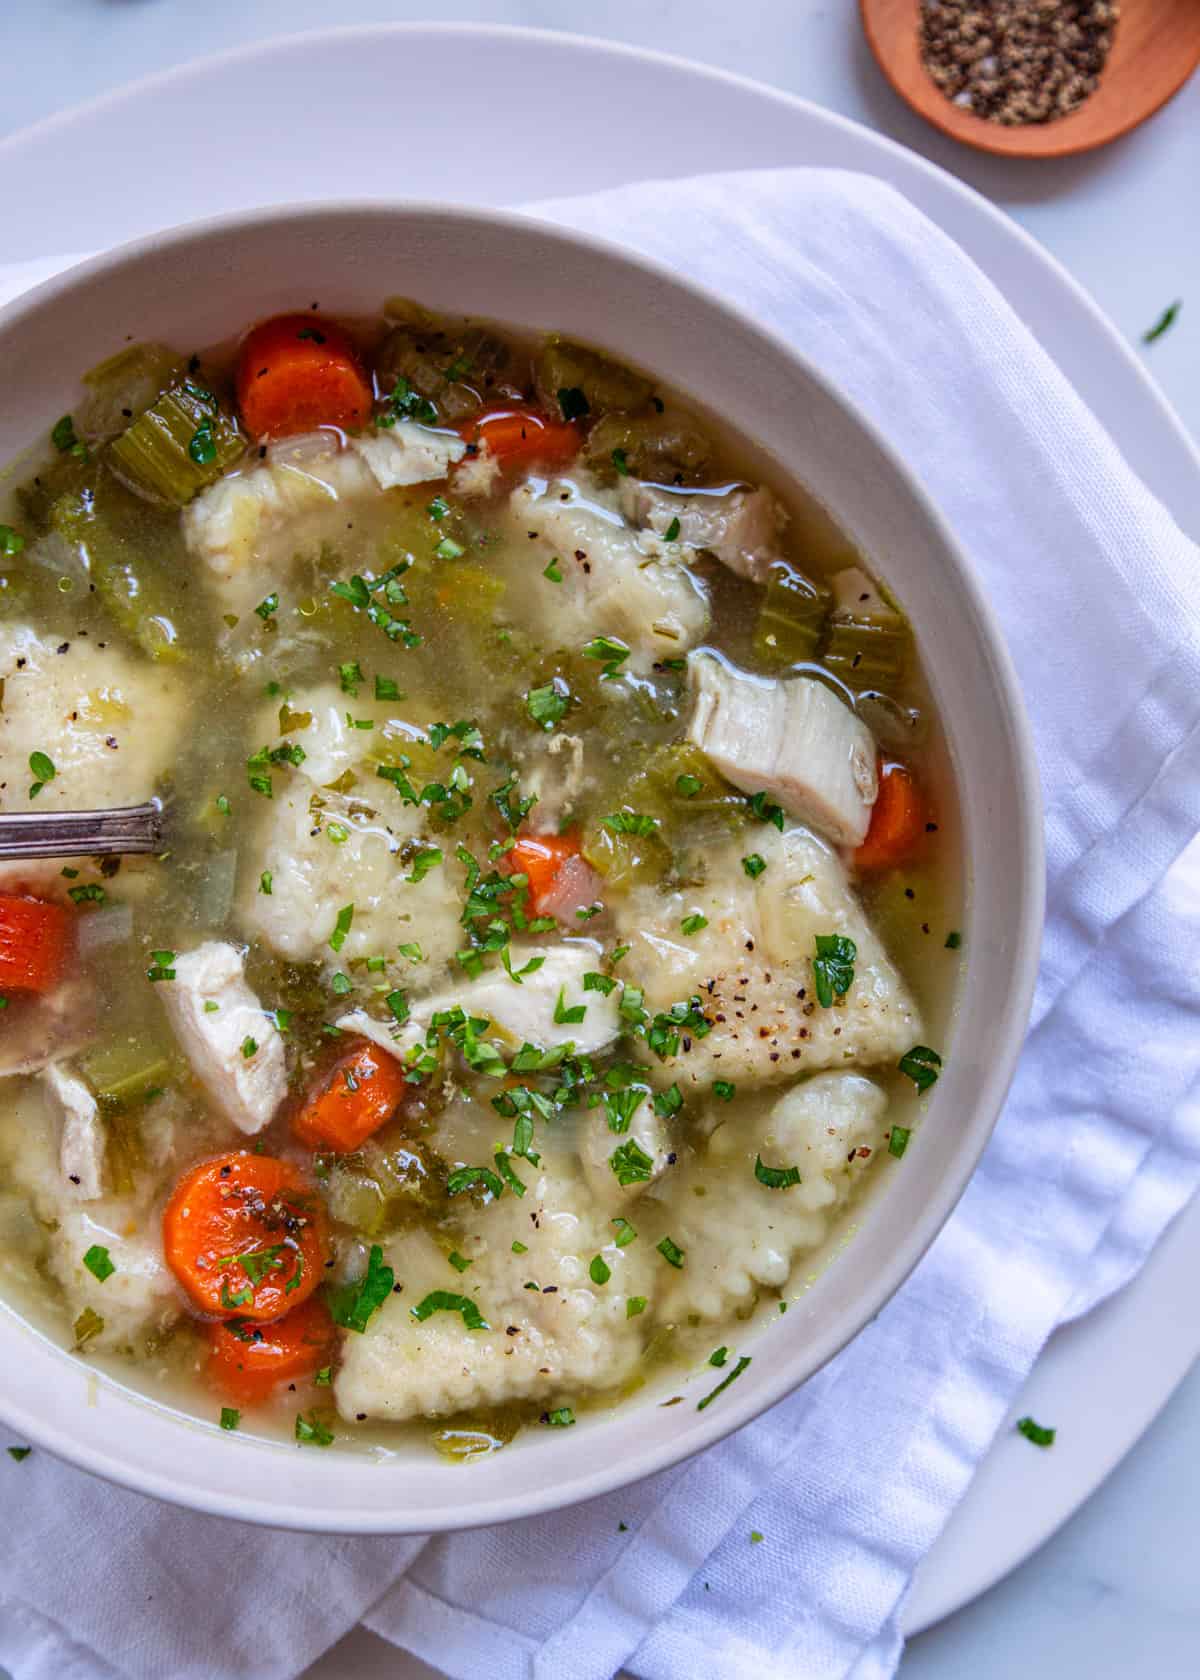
column 351, row 1100
column 35, row 939
column 897, row 821
column 540, row 857
column 521, row 437
column 245, row 1235
column 297, row 372
column 247, row 1361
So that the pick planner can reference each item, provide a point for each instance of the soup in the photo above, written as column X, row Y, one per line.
column 558, row 912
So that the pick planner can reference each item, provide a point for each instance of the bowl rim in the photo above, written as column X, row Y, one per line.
column 913, row 1241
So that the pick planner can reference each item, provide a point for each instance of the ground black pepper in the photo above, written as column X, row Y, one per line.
column 1017, row 61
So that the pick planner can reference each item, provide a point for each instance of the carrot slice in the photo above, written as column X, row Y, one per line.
column 540, row 857
column 35, row 939
column 245, row 1235
column 297, row 372
column 897, row 821
column 354, row 1098
column 521, row 437
column 247, row 1361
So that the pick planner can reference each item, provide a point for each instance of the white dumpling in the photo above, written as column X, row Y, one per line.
column 751, row 966
column 569, row 1335
column 740, row 1235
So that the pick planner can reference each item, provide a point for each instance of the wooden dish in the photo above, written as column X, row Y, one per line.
column 1156, row 46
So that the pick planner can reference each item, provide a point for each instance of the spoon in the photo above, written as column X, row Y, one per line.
column 1155, row 48
column 127, row 830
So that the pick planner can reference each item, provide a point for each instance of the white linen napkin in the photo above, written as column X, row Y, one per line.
column 851, row 1479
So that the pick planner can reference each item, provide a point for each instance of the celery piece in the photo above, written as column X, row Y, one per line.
column 604, row 384
column 866, row 653
column 790, row 619
column 123, row 387
column 181, row 443
column 649, row 446
column 625, row 860
column 470, row 1435
column 122, row 1072
column 127, row 549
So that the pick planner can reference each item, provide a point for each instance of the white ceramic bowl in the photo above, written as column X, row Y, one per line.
column 199, row 284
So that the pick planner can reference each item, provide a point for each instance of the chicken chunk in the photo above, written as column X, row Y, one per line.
column 741, row 1234
column 751, row 967
column 741, row 527
column 526, row 1013
column 794, row 740
column 407, row 453
column 231, row 1041
column 80, row 1132
column 568, row 1333
column 610, row 584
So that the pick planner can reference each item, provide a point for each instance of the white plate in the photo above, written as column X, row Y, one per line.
column 193, row 142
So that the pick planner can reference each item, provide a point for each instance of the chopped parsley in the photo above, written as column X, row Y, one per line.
column 725, row 1089
column 11, row 542
column 631, row 1163
column 833, row 967
column 688, row 786
column 920, row 1064
column 161, row 966
column 668, row 1102
column 424, row 860
column 775, row 1178
column 441, row 1300
column 412, row 951
column 718, row 1356
column 671, row 534
column 594, row 982
column 250, row 1046
column 554, row 572
column 93, row 893
column 448, row 549
column 625, row 1232
column 764, row 810
column 520, row 1247
column 599, row 1271
column 630, row 822
column 267, row 608
column 620, row 462
column 1164, row 323
column 562, row 1417
column 754, row 865
column 723, row 1385
column 341, row 927
column 953, row 940
column 18, row 1454
column 311, row 1432
column 564, row 1016
column 694, row 922
column 634, row 1305
column 898, row 1140
column 265, row 882
column 609, row 651
column 457, row 1260
column 230, row 1417
column 354, row 1304
column 397, row 1002
column 548, row 704
column 65, row 440
column 1036, row 1432
column 438, row 508
column 467, row 1178
column 386, row 688
column 572, row 403
column 350, row 676
column 671, row 1253
column 98, row 1262
column 43, row 772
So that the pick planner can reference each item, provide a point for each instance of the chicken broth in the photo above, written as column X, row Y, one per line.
column 559, row 920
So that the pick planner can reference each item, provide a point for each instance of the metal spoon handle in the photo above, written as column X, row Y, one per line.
column 37, row 834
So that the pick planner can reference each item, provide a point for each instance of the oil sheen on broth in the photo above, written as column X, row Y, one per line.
column 561, row 910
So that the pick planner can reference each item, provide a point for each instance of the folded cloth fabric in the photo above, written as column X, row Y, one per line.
column 851, row 1479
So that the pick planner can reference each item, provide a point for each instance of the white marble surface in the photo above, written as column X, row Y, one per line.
column 1117, row 1591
